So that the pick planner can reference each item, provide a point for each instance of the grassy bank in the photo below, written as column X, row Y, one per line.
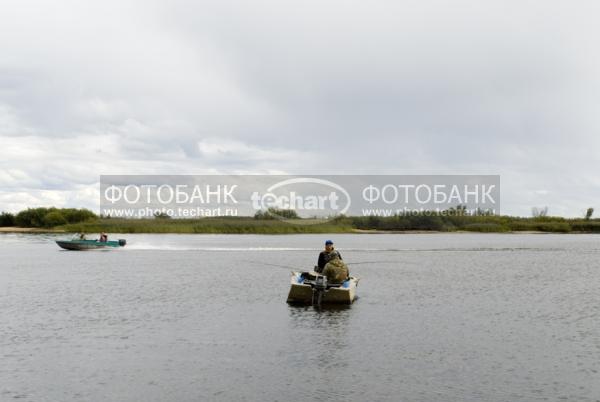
column 73, row 220
column 206, row 225
column 17, row 229
column 481, row 223
column 243, row 225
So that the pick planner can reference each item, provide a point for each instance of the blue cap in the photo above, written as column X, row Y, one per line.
column 327, row 242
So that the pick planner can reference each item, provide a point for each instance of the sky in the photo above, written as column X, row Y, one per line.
column 300, row 87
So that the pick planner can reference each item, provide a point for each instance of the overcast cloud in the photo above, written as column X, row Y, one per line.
column 329, row 87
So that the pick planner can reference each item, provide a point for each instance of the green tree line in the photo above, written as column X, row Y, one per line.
column 270, row 221
column 46, row 217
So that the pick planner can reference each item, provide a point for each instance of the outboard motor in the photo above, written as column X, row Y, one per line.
column 321, row 283
column 122, row 242
column 319, row 287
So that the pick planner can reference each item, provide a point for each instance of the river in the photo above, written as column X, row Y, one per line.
column 440, row 317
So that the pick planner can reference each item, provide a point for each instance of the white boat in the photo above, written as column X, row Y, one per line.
column 312, row 288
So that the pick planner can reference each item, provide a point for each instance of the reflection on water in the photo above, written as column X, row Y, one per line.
column 327, row 327
column 439, row 317
column 323, row 339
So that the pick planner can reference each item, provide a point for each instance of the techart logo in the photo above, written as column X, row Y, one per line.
column 309, row 196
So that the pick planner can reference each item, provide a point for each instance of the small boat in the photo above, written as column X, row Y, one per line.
column 313, row 288
column 90, row 244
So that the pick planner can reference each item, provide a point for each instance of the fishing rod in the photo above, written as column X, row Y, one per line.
column 300, row 269
column 274, row 265
column 369, row 262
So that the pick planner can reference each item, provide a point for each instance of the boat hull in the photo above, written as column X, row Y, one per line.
column 86, row 244
column 301, row 293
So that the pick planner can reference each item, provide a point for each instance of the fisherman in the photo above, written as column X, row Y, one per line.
column 326, row 255
column 103, row 237
column 82, row 236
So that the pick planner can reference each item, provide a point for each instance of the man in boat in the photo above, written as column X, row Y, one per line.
column 103, row 237
column 327, row 255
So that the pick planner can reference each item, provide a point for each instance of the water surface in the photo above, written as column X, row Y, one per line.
column 440, row 317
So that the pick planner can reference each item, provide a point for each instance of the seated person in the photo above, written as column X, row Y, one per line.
column 103, row 237
column 326, row 255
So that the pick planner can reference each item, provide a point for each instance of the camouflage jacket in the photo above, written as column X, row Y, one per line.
column 325, row 257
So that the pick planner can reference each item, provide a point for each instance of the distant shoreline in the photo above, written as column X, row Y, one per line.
column 357, row 225
column 374, row 231
column 54, row 220
column 16, row 229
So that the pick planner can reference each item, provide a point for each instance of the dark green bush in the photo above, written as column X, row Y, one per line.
column 586, row 226
column 32, row 217
column 7, row 219
column 274, row 213
column 36, row 217
column 73, row 215
column 54, row 218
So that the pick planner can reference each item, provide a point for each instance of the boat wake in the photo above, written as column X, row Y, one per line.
column 172, row 247
column 204, row 248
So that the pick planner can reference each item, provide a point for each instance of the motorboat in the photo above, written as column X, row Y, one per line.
column 313, row 288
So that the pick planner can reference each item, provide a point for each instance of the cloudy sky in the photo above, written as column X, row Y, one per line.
column 304, row 87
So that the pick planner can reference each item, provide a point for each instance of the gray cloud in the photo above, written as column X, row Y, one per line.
column 505, row 88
